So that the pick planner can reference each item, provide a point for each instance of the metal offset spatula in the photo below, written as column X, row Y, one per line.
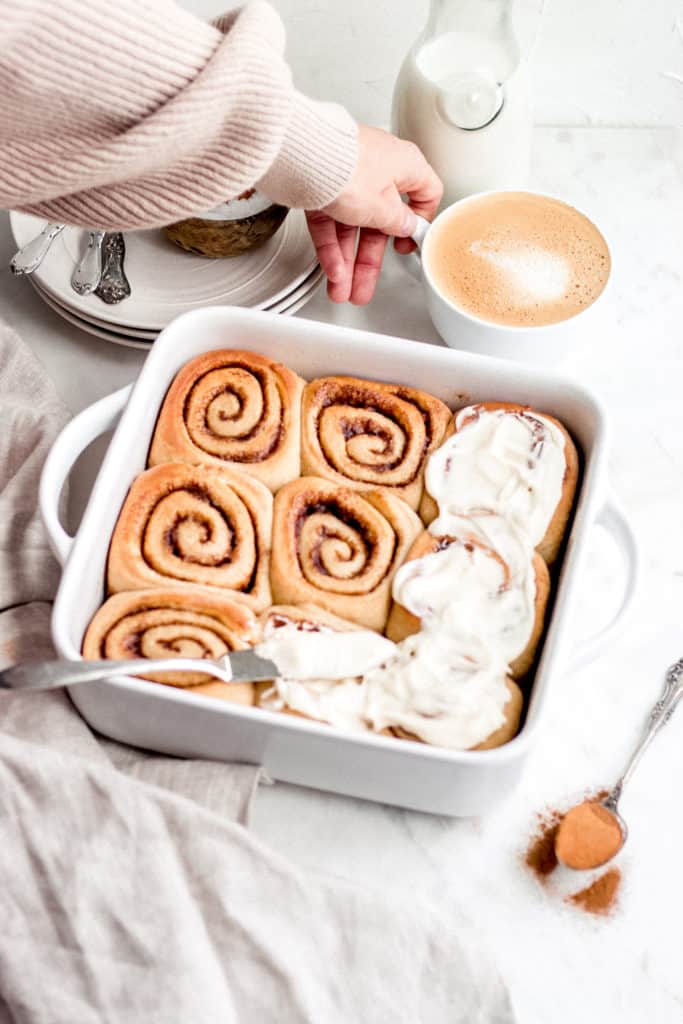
column 236, row 667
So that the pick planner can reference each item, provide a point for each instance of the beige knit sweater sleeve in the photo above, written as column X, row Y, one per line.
column 131, row 113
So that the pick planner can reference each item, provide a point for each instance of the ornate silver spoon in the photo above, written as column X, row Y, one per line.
column 88, row 272
column 113, row 286
column 31, row 255
column 601, row 817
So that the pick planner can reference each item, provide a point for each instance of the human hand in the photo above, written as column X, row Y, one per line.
column 351, row 234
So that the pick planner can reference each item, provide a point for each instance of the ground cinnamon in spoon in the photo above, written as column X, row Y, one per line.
column 588, row 836
column 601, row 896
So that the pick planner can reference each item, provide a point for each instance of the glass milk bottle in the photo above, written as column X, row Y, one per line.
column 462, row 96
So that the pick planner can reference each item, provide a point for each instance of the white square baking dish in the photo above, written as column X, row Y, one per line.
column 174, row 721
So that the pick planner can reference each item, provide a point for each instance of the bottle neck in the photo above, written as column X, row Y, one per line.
column 469, row 51
column 486, row 17
column 472, row 36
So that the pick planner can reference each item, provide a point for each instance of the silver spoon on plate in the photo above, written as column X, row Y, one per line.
column 31, row 255
column 88, row 272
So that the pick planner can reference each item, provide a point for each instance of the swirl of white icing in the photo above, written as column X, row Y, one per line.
column 439, row 690
column 340, row 702
column 322, row 670
column 503, row 461
column 480, row 587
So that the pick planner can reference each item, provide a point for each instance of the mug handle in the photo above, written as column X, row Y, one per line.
column 83, row 429
column 421, row 228
column 413, row 263
column 614, row 519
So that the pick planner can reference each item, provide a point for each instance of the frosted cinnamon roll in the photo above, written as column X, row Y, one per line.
column 370, row 436
column 233, row 408
column 339, row 549
column 482, row 584
column 175, row 622
column 338, row 702
column 194, row 524
column 453, row 722
column 510, row 460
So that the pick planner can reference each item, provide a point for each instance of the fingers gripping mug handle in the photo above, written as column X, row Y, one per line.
column 413, row 263
column 421, row 228
column 613, row 518
column 83, row 429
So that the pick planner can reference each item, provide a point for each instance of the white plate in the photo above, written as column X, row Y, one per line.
column 166, row 281
column 143, row 335
column 136, row 340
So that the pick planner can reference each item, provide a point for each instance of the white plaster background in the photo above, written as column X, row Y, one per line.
column 602, row 62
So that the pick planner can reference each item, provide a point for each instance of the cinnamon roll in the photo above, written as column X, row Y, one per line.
column 484, row 586
column 175, row 622
column 510, row 460
column 339, row 549
column 195, row 525
column 370, row 436
column 512, row 713
column 339, row 702
column 233, row 408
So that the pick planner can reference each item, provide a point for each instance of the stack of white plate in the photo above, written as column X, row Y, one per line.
column 166, row 281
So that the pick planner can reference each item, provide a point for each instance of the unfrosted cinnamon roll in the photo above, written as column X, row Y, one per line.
column 234, row 408
column 339, row 549
column 175, row 622
column 194, row 524
column 370, row 436
column 510, row 460
column 493, row 593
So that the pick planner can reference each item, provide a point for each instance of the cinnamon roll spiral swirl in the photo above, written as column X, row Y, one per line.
column 366, row 436
column 236, row 408
column 175, row 622
column 339, row 549
column 195, row 525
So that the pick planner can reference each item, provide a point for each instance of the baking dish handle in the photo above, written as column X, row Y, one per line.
column 83, row 429
column 613, row 518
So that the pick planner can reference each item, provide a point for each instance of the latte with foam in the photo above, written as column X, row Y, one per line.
column 518, row 259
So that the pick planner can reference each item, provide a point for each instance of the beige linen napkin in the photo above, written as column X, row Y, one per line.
column 126, row 892
column 31, row 418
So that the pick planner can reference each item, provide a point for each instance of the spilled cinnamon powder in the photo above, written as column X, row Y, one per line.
column 540, row 856
column 600, row 897
column 541, row 859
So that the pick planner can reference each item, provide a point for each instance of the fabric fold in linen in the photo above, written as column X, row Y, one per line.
column 31, row 418
column 123, row 902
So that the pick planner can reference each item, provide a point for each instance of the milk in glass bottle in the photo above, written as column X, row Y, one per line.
column 462, row 96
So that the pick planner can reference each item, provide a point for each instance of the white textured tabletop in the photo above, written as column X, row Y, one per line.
column 561, row 965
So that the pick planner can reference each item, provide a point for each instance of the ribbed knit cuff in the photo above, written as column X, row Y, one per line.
column 316, row 158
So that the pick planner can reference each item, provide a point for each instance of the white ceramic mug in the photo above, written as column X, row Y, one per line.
column 546, row 343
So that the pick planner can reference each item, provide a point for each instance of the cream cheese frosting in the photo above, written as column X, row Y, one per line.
column 480, row 585
column 338, row 702
column 443, row 691
column 322, row 670
column 508, row 462
column 323, row 653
